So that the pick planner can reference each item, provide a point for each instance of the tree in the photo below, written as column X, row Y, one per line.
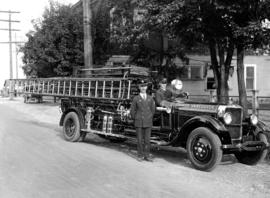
column 124, row 32
column 56, row 44
column 248, row 31
column 221, row 25
column 196, row 22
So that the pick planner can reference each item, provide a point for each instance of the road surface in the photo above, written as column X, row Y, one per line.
column 36, row 162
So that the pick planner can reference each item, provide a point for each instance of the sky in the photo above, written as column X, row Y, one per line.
column 29, row 10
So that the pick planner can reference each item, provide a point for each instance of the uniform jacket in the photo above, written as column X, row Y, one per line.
column 162, row 95
column 142, row 111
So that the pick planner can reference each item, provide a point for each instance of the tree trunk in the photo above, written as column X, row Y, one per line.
column 223, row 97
column 215, row 66
column 219, row 70
column 241, row 79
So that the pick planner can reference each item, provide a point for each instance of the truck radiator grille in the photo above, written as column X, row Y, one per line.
column 235, row 128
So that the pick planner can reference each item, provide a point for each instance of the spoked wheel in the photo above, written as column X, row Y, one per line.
column 71, row 127
column 204, row 149
column 253, row 157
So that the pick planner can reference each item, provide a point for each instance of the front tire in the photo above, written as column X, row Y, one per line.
column 71, row 127
column 253, row 157
column 204, row 149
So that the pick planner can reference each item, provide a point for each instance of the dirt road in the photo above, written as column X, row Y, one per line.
column 36, row 162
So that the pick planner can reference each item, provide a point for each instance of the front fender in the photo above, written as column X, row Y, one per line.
column 199, row 121
column 76, row 110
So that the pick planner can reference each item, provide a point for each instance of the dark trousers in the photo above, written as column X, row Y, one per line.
column 143, row 141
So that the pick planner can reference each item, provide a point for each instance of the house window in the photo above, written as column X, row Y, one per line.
column 210, row 83
column 192, row 73
column 250, row 76
column 196, row 72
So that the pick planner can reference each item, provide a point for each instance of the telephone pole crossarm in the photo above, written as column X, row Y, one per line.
column 4, row 20
column 9, row 29
column 15, row 42
column 10, row 12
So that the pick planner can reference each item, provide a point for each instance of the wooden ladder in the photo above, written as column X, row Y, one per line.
column 103, row 88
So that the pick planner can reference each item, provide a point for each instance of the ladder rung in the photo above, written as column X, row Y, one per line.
column 43, row 84
column 96, row 89
column 53, row 88
column 69, row 89
column 120, row 87
column 76, row 87
column 89, row 89
column 82, row 88
column 103, row 90
column 111, row 94
column 64, row 87
column 48, row 87
column 58, row 88
column 128, row 93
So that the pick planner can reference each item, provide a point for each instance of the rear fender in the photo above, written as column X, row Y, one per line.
column 78, row 111
column 213, row 124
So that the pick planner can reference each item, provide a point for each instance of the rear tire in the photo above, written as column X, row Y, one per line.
column 71, row 127
column 253, row 157
column 204, row 149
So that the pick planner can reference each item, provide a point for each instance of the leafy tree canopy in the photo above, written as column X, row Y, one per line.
column 221, row 25
column 56, row 44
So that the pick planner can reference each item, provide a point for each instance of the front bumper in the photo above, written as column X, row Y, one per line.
column 246, row 146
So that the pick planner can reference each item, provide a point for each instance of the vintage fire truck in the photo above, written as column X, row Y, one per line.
column 101, row 104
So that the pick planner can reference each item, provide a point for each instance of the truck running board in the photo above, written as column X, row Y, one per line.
column 103, row 133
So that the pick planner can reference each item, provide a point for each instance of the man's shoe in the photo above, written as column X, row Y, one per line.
column 140, row 158
column 149, row 159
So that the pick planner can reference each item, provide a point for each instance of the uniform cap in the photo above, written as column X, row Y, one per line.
column 163, row 81
column 142, row 83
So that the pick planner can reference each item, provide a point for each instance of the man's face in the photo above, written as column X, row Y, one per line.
column 163, row 86
column 143, row 88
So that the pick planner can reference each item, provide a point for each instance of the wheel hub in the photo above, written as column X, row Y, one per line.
column 70, row 128
column 201, row 150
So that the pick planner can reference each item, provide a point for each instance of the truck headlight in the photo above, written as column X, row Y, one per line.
column 253, row 119
column 227, row 117
column 221, row 111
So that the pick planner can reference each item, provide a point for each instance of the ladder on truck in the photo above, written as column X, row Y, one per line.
column 96, row 86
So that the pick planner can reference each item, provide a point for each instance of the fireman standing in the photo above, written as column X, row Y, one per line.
column 142, row 112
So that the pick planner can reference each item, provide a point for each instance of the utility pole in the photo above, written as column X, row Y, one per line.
column 87, row 21
column 11, row 87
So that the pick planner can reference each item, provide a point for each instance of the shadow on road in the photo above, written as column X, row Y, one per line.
column 174, row 155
